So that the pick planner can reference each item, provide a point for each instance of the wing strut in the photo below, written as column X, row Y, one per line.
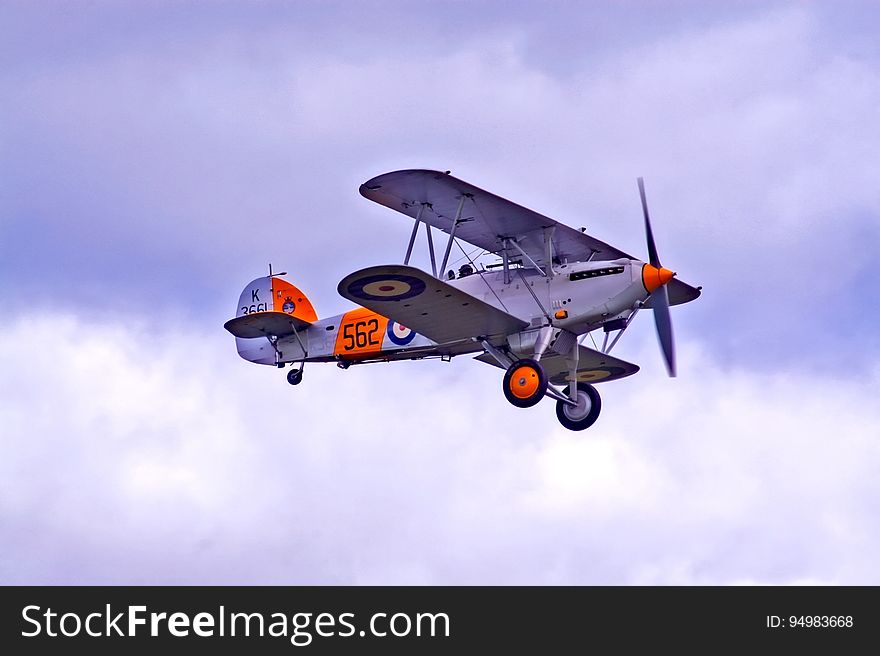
column 301, row 345
column 526, row 255
column 412, row 237
column 504, row 360
column 431, row 249
column 415, row 232
column 532, row 292
column 621, row 329
column 455, row 223
column 548, row 245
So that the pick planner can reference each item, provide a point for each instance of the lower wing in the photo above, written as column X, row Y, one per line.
column 593, row 366
column 429, row 306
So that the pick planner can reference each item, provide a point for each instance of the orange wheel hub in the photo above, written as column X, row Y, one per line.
column 524, row 382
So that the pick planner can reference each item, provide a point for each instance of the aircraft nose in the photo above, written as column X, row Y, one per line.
column 654, row 277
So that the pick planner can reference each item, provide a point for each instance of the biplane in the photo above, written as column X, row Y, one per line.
column 528, row 312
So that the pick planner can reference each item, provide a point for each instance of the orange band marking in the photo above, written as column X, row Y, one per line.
column 360, row 334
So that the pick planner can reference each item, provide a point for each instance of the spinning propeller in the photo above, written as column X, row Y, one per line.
column 656, row 277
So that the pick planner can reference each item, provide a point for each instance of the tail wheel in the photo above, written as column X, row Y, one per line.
column 295, row 376
column 525, row 383
column 585, row 413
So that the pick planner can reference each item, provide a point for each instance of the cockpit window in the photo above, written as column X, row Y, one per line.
column 595, row 273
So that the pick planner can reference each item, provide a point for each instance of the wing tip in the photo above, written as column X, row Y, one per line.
column 375, row 182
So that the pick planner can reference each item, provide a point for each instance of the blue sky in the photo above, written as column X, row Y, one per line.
column 153, row 159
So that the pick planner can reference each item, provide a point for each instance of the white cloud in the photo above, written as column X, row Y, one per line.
column 136, row 458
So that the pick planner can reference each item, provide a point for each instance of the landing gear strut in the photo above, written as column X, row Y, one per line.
column 525, row 383
column 584, row 414
column 295, row 376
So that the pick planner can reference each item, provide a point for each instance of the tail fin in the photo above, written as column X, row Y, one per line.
column 268, row 306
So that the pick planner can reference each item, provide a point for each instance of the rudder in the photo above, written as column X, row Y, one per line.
column 274, row 295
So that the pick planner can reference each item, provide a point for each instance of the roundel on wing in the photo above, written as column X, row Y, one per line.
column 590, row 376
column 594, row 375
column 386, row 287
column 400, row 335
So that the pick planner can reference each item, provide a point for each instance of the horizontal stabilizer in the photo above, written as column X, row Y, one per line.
column 265, row 324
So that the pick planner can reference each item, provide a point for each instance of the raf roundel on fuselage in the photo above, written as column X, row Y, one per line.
column 400, row 334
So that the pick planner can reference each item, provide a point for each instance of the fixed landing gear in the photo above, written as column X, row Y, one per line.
column 525, row 383
column 295, row 376
column 584, row 414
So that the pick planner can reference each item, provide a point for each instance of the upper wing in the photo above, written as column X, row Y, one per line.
column 593, row 366
column 486, row 218
column 425, row 304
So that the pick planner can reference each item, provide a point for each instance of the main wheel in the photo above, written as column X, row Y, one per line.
column 525, row 383
column 295, row 376
column 585, row 413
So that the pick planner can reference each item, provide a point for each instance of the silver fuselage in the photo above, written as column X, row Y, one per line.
column 597, row 293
